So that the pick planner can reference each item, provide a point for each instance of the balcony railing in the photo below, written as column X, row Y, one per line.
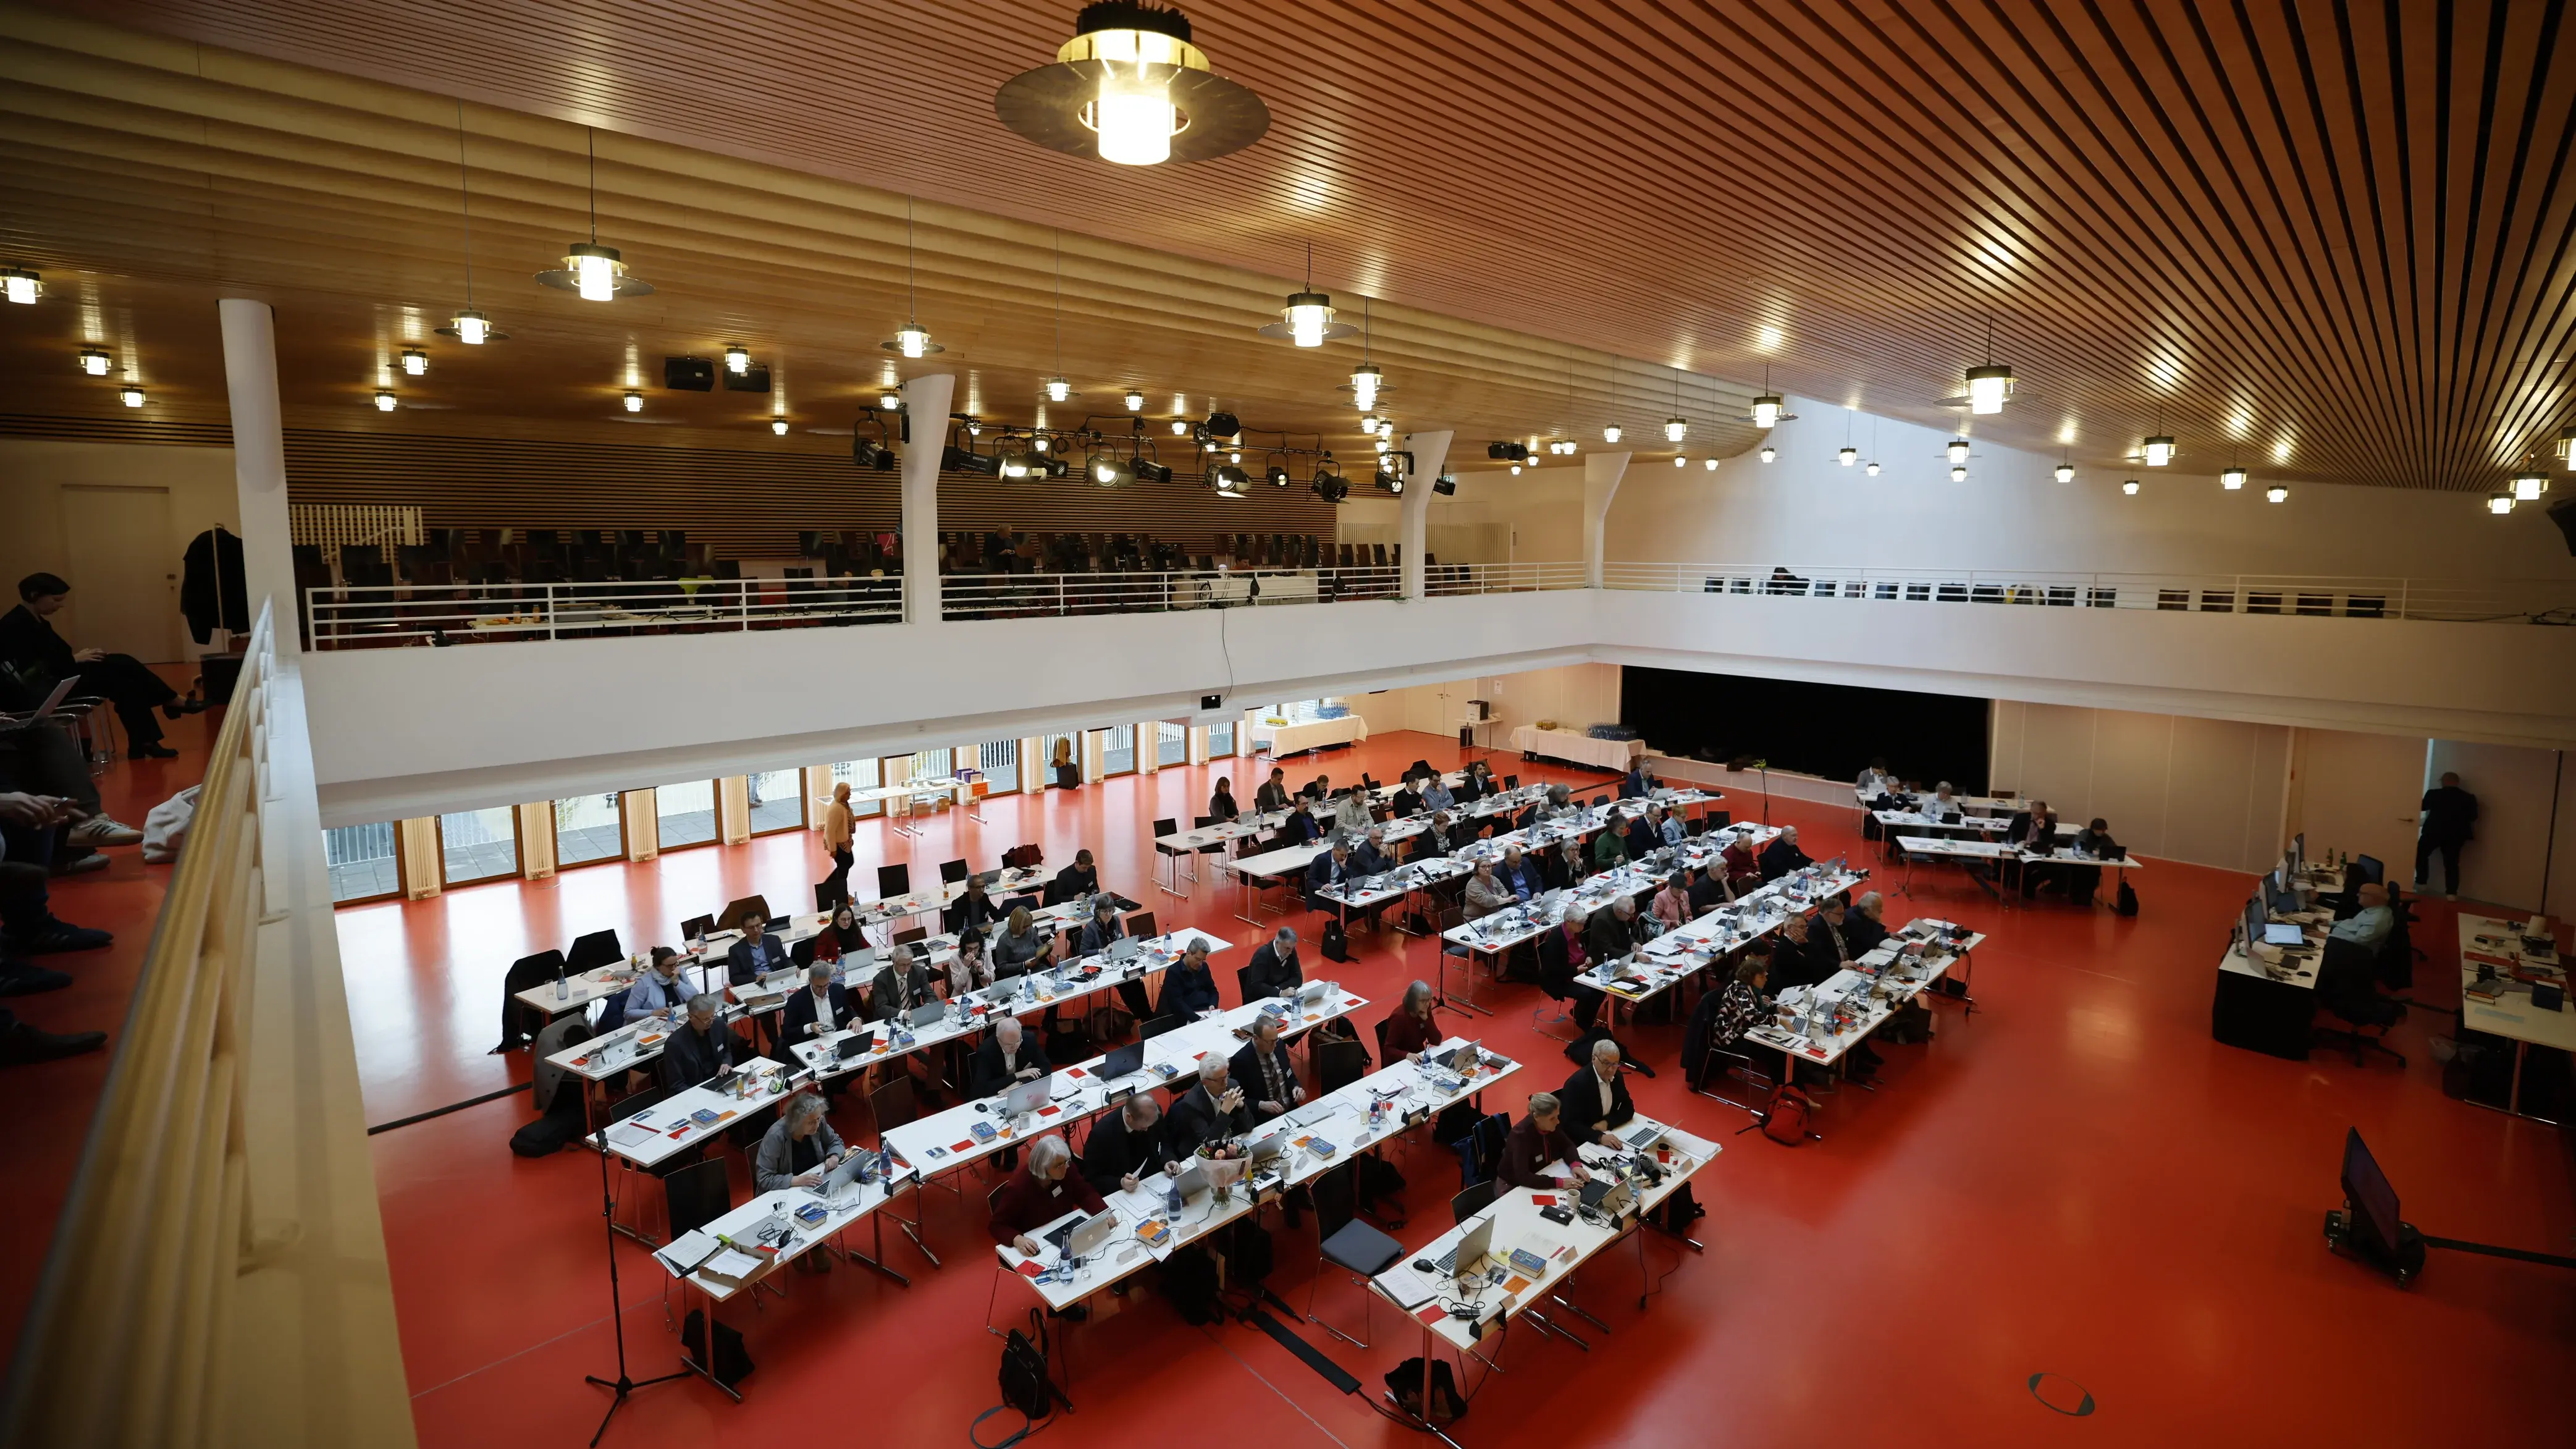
column 1499, row 578
column 1023, row 596
column 2537, row 601
column 373, row 616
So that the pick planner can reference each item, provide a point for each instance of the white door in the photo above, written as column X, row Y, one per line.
column 124, row 572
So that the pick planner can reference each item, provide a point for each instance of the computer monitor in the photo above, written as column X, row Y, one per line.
column 2374, row 1202
column 2367, row 870
column 2298, row 850
column 2252, row 923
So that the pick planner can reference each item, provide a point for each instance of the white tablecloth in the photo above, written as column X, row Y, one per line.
column 1289, row 739
column 1582, row 749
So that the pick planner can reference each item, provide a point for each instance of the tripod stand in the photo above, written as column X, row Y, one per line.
column 622, row 1384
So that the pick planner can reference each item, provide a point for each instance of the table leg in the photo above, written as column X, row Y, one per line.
column 704, row 1366
column 2513, row 1096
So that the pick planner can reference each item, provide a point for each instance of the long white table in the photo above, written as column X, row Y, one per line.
column 1303, row 735
column 1577, row 748
column 2510, row 1012
column 1821, row 1024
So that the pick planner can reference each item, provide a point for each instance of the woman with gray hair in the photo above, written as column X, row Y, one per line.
column 799, row 1148
column 1038, row 1194
column 1408, row 1031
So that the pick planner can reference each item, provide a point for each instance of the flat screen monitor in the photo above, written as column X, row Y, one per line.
column 2374, row 1202
column 2367, row 870
column 2252, row 924
column 2298, row 850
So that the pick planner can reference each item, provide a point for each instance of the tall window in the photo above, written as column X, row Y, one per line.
column 685, row 814
column 1118, row 750
column 588, row 828
column 777, row 800
column 1299, row 711
column 1000, row 762
column 859, row 775
column 478, row 844
column 921, row 765
column 1171, row 743
column 1221, row 740
column 365, row 861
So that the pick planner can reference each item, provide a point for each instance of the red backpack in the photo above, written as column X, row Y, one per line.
column 1784, row 1116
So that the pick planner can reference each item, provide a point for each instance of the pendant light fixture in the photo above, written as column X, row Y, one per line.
column 1057, row 389
column 1365, row 378
column 1710, row 464
column 1307, row 318
column 384, row 399
column 21, row 285
column 1958, row 474
column 1958, row 451
column 1766, row 406
column 93, row 361
column 1872, row 469
column 1135, row 400
column 634, row 401
column 1676, row 427
column 468, row 326
column 778, row 426
column 1989, row 385
column 415, row 363
column 1610, row 431
column 2529, row 484
column 890, row 401
column 130, row 395
column 2500, row 501
column 598, row 273
column 1849, row 454
column 1131, row 89
column 2066, row 469
column 2231, row 477
column 2276, row 494
column 2566, row 447
column 2129, row 486
column 1769, row 452
column 911, row 339
column 737, row 359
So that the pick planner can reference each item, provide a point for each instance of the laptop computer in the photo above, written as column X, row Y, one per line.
column 854, row 1044
column 2283, row 933
column 1125, row 1061
column 1193, row 1181
column 778, row 923
column 1606, row 1196
column 859, row 962
column 1024, row 1098
column 1274, row 1145
column 1643, row 1135
column 1124, row 949
column 842, row 1178
column 1469, row 1253
column 928, row 1012
column 1313, row 991
column 1464, row 1058
column 1091, row 1235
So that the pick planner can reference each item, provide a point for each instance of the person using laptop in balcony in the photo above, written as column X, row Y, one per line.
column 1595, row 1099
column 1536, row 1141
column 1485, row 893
column 1273, row 794
column 1211, row 1112
column 901, row 985
column 1128, row 1145
column 1782, row 856
column 1273, row 969
column 29, row 645
column 1189, row 987
column 1262, row 1066
column 701, row 1047
column 1410, row 1031
column 1222, row 808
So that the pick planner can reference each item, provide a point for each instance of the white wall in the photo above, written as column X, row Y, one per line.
column 2357, row 793
column 2518, row 804
column 33, row 474
column 2171, row 786
column 1576, row 694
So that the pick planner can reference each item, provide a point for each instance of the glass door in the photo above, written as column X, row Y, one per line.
column 1171, row 744
column 777, row 799
column 1117, row 750
column 588, row 828
column 365, row 861
column 478, row 845
column 685, row 814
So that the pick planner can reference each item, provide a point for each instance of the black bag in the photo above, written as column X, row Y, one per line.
column 1454, row 1123
column 731, row 1361
column 1247, row 1254
column 1405, row 1382
column 1189, row 1280
column 1678, row 1212
column 2126, row 902
column 1026, row 1385
column 1337, row 946
column 1378, row 1179
column 556, row 1130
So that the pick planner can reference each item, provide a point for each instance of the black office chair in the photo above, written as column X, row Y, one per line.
column 894, row 880
column 828, row 895
column 2344, row 990
column 1243, row 985
column 1141, row 926
column 1473, row 1199
column 519, row 1021
column 1511, row 782
column 596, row 949
column 1348, row 1244
column 697, row 928
column 1029, row 903
column 1338, row 1063
column 747, row 908
column 952, row 872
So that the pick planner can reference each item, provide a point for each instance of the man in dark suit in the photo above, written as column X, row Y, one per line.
column 1128, row 1145
column 1262, row 1067
column 1079, row 879
column 1189, row 988
column 1793, row 960
column 1209, row 1112
column 1273, row 794
column 1707, row 889
column 1274, row 969
column 1331, row 867
column 1406, row 800
column 1611, row 933
column 1595, row 1100
column 1006, row 1059
column 823, row 1007
column 901, row 985
column 699, row 1049
column 756, row 956
column 1301, row 828
column 1783, row 856
column 1370, row 857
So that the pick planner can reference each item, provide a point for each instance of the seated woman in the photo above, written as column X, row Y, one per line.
column 1673, row 903
column 1409, row 1029
column 1743, row 871
column 1221, row 806
column 799, row 1149
column 840, row 936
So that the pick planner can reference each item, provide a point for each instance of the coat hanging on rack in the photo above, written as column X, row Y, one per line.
column 211, row 592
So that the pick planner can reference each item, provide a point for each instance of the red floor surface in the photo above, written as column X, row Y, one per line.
column 55, row 1099
column 2073, row 1181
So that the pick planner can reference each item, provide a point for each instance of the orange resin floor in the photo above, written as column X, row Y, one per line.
column 2073, row 1181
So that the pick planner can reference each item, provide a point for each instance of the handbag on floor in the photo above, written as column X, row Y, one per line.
column 1404, row 1381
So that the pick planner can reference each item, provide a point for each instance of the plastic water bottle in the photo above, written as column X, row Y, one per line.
column 1172, row 1199
column 563, row 985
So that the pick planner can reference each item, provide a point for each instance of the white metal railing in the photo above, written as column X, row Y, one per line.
column 367, row 616
column 329, row 525
column 1439, row 580
column 1014, row 596
column 2337, row 596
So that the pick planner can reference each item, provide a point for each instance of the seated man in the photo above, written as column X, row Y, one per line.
column 797, row 1151
column 1875, row 781
column 1129, row 1145
column 1865, row 927
column 701, row 1047
column 1406, row 799
column 901, row 985
column 1369, row 857
column 1331, row 867
column 1782, row 855
column 1611, row 934
column 751, row 960
column 1595, row 1099
column 1351, row 816
column 1005, row 1059
column 1263, row 1068
column 1079, row 879
column 1708, row 888
column 1273, row 969
column 1941, row 804
column 1536, row 1141
column 1301, row 828
column 1793, row 962
column 1212, row 1111
column 2368, row 927
column 2093, row 841
column 1636, row 786
column 1521, row 873
column 1437, row 795
column 1273, row 794
column 1438, row 837
column 1558, row 805
column 1609, row 849
column 1189, row 988
column 822, row 1008
column 1743, row 871
column 29, row 645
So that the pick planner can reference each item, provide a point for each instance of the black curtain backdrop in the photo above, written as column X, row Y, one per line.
column 1833, row 730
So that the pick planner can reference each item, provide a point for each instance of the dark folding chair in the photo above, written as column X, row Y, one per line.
column 1348, row 1244
column 1338, row 1064
column 596, row 949
column 1472, row 1199
column 519, row 1021
column 953, row 871
column 1141, row 926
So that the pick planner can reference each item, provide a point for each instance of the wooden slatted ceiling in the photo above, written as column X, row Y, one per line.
column 2335, row 232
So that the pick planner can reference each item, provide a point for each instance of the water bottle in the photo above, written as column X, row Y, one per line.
column 563, row 985
column 1172, row 1199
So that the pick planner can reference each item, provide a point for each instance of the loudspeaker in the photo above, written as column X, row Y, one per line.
column 2564, row 515
column 754, row 378
column 689, row 374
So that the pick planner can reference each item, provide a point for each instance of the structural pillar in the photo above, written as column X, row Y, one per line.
column 926, row 402
column 1601, row 475
column 1430, row 454
column 259, row 464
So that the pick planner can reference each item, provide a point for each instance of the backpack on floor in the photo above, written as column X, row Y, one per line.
column 1337, row 945
column 1378, row 1179
column 1447, row 1406
column 1026, row 1384
column 732, row 1362
column 1785, row 1115
column 557, row 1128
column 1189, row 1280
column 1247, row 1254
column 2126, row 902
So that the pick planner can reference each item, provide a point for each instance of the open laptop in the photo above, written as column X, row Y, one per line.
column 1274, row 1145
column 928, row 1012
column 2283, row 933
column 1087, row 1237
column 1125, row 1061
column 1643, row 1135
column 1124, row 949
column 855, row 1044
column 842, row 1181
column 1464, row 1059
column 1024, row 1098
column 1193, row 1181
column 1469, row 1253
column 1312, row 992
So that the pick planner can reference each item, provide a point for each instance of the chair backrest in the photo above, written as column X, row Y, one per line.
column 1016, row 902
column 534, row 970
column 953, row 871
column 1338, row 1063
column 910, row 934
column 993, row 1199
column 1201, row 822
column 1243, row 983
column 894, row 880
column 1511, row 782
column 1471, row 1200
column 1140, row 925
column 595, row 949
column 1156, row 1026
column 748, row 907
column 1168, row 825
column 1598, row 801
column 1489, row 1136
column 1381, row 1041
column 697, row 1195
column 1336, row 1200
column 632, row 1103
column 1452, row 917
column 891, row 1104
column 1716, row 820
column 829, row 893
column 697, row 928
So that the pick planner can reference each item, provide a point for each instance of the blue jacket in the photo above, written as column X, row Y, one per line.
column 739, row 968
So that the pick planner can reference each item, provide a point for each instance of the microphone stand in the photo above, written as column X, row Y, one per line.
column 1764, row 765
column 623, row 1384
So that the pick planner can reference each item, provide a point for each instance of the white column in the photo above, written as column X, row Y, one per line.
column 1430, row 454
column 925, row 401
column 259, row 463
column 1601, row 475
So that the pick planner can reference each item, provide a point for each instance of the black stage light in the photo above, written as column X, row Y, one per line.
column 871, row 454
column 959, row 460
column 1278, row 477
column 1223, row 425
column 1149, row 471
column 754, row 378
column 1389, row 483
column 1332, row 487
column 1444, row 485
column 1508, row 452
column 688, row 374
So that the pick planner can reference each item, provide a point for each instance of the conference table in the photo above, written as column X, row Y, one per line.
column 1824, row 1023
column 2502, row 1004
column 1916, row 848
column 1615, row 756
column 1329, row 1132
column 1460, row 1313
column 1298, row 736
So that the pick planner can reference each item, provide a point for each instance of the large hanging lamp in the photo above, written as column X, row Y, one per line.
column 1307, row 318
column 1766, row 406
column 468, row 326
column 1130, row 88
column 911, row 339
column 1989, row 385
column 596, row 272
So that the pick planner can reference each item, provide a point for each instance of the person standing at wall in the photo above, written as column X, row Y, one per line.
column 2450, row 821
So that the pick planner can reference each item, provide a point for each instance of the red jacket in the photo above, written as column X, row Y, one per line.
column 1406, row 1034
column 1026, row 1204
